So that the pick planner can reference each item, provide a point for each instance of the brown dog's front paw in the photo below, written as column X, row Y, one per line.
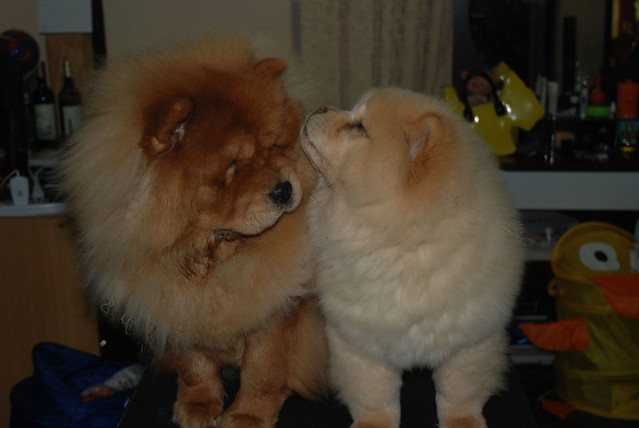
column 197, row 415
column 243, row 420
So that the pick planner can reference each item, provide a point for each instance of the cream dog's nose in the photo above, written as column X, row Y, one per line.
column 322, row 110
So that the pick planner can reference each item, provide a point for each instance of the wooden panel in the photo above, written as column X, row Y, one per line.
column 40, row 297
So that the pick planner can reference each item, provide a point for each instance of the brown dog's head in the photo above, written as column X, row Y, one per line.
column 227, row 150
column 183, row 150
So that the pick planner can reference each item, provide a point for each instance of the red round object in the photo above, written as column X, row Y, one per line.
column 18, row 48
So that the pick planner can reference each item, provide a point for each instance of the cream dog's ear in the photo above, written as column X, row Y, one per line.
column 167, row 126
column 420, row 136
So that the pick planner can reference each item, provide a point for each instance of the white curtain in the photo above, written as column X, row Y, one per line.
column 351, row 46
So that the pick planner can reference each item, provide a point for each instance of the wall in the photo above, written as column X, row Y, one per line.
column 134, row 25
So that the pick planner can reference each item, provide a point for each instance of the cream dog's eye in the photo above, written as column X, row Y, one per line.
column 359, row 126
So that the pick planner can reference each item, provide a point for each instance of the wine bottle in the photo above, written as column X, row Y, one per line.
column 44, row 112
column 70, row 104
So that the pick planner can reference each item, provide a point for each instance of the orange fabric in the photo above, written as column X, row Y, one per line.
column 558, row 408
column 622, row 292
column 564, row 335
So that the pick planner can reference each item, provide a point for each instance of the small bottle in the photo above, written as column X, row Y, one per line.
column 44, row 112
column 70, row 104
column 583, row 98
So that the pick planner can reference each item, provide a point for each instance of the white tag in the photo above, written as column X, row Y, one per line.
column 45, row 121
column 72, row 116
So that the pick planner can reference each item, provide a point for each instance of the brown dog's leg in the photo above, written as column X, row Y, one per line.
column 263, row 380
column 465, row 381
column 271, row 368
column 200, row 396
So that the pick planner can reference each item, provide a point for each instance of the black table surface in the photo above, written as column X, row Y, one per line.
column 152, row 402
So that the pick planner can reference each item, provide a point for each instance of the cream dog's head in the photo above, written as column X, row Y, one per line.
column 393, row 143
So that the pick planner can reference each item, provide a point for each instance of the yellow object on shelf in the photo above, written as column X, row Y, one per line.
column 521, row 110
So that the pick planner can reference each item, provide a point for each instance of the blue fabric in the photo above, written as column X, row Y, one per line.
column 51, row 397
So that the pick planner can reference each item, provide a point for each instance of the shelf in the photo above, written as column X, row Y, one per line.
column 531, row 190
column 594, row 191
column 538, row 254
column 32, row 210
column 530, row 355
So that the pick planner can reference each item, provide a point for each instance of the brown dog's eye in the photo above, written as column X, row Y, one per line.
column 230, row 171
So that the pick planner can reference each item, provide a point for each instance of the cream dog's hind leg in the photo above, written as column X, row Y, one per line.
column 466, row 380
column 370, row 388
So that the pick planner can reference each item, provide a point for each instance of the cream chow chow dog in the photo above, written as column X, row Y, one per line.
column 419, row 255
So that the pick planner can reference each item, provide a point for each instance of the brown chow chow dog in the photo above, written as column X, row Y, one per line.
column 189, row 190
column 419, row 255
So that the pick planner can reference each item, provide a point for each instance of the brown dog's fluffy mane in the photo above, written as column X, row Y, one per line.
column 147, row 268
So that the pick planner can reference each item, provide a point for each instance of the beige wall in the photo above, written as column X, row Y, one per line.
column 133, row 25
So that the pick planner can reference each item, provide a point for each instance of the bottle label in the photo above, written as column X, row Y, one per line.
column 45, row 122
column 72, row 118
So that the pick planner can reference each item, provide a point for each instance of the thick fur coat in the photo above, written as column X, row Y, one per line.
column 189, row 190
column 419, row 254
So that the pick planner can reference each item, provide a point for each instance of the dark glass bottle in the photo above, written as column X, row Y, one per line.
column 70, row 104
column 44, row 112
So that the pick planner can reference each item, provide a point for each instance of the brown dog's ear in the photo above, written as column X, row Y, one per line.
column 167, row 126
column 271, row 67
column 420, row 136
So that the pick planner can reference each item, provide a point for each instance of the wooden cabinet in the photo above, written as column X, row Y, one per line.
column 40, row 297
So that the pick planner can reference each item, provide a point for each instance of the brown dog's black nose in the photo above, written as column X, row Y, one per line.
column 281, row 194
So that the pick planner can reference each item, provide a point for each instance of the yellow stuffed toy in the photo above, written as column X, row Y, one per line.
column 496, row 121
